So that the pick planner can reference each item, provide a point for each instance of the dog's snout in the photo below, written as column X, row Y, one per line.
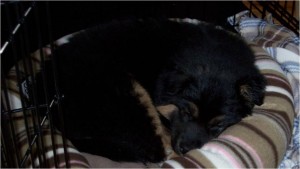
column 192, row 136
column 185, row 147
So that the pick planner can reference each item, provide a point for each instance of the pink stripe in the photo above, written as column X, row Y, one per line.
column 220, row 149
column 246, row 146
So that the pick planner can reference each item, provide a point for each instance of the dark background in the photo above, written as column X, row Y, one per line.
column 57, row 18
column 78, row 15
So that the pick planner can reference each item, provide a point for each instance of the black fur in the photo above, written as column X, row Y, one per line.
column 203, row 70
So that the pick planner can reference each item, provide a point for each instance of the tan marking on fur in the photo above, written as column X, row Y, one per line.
column 194, row 109
column 167, row 110
column 152, row 112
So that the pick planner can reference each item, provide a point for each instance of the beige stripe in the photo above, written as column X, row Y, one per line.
column 272, row 72
column 269, row 141
column 280, row 118
column 61, row 160
column 247, row 155
column 260, row 134
column 265, row 137
column 194, row 160
column 279, row 102
column 200, row 159
column 185, row 162
column 279, row 114
column 166, row 165
column 278, row 83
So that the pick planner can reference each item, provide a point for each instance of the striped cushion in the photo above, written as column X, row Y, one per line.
column 283, row 46
column 267, row 137
column 259, row 140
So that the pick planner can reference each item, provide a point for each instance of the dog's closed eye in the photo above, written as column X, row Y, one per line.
column 172, row 90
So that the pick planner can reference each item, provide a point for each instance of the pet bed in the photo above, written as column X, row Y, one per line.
column 270, row 137
column 267, row 139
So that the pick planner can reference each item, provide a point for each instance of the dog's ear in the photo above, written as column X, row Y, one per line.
column 252, row 89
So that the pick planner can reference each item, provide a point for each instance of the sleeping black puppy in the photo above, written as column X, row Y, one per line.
column 112, row 75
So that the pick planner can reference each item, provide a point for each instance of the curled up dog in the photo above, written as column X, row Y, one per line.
column 200, row 77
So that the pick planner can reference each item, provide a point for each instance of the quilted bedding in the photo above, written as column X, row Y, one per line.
column 267, row 139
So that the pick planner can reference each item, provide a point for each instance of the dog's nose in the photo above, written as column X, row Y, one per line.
column 184, row 148
column 193, row 136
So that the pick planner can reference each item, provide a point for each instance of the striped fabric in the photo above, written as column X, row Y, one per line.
column 258, row 141
column 270, row 137
column 46, row 141
column 283, row 46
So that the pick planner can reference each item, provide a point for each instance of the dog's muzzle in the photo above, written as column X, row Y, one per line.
column 188, row 137
column 186, row 133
